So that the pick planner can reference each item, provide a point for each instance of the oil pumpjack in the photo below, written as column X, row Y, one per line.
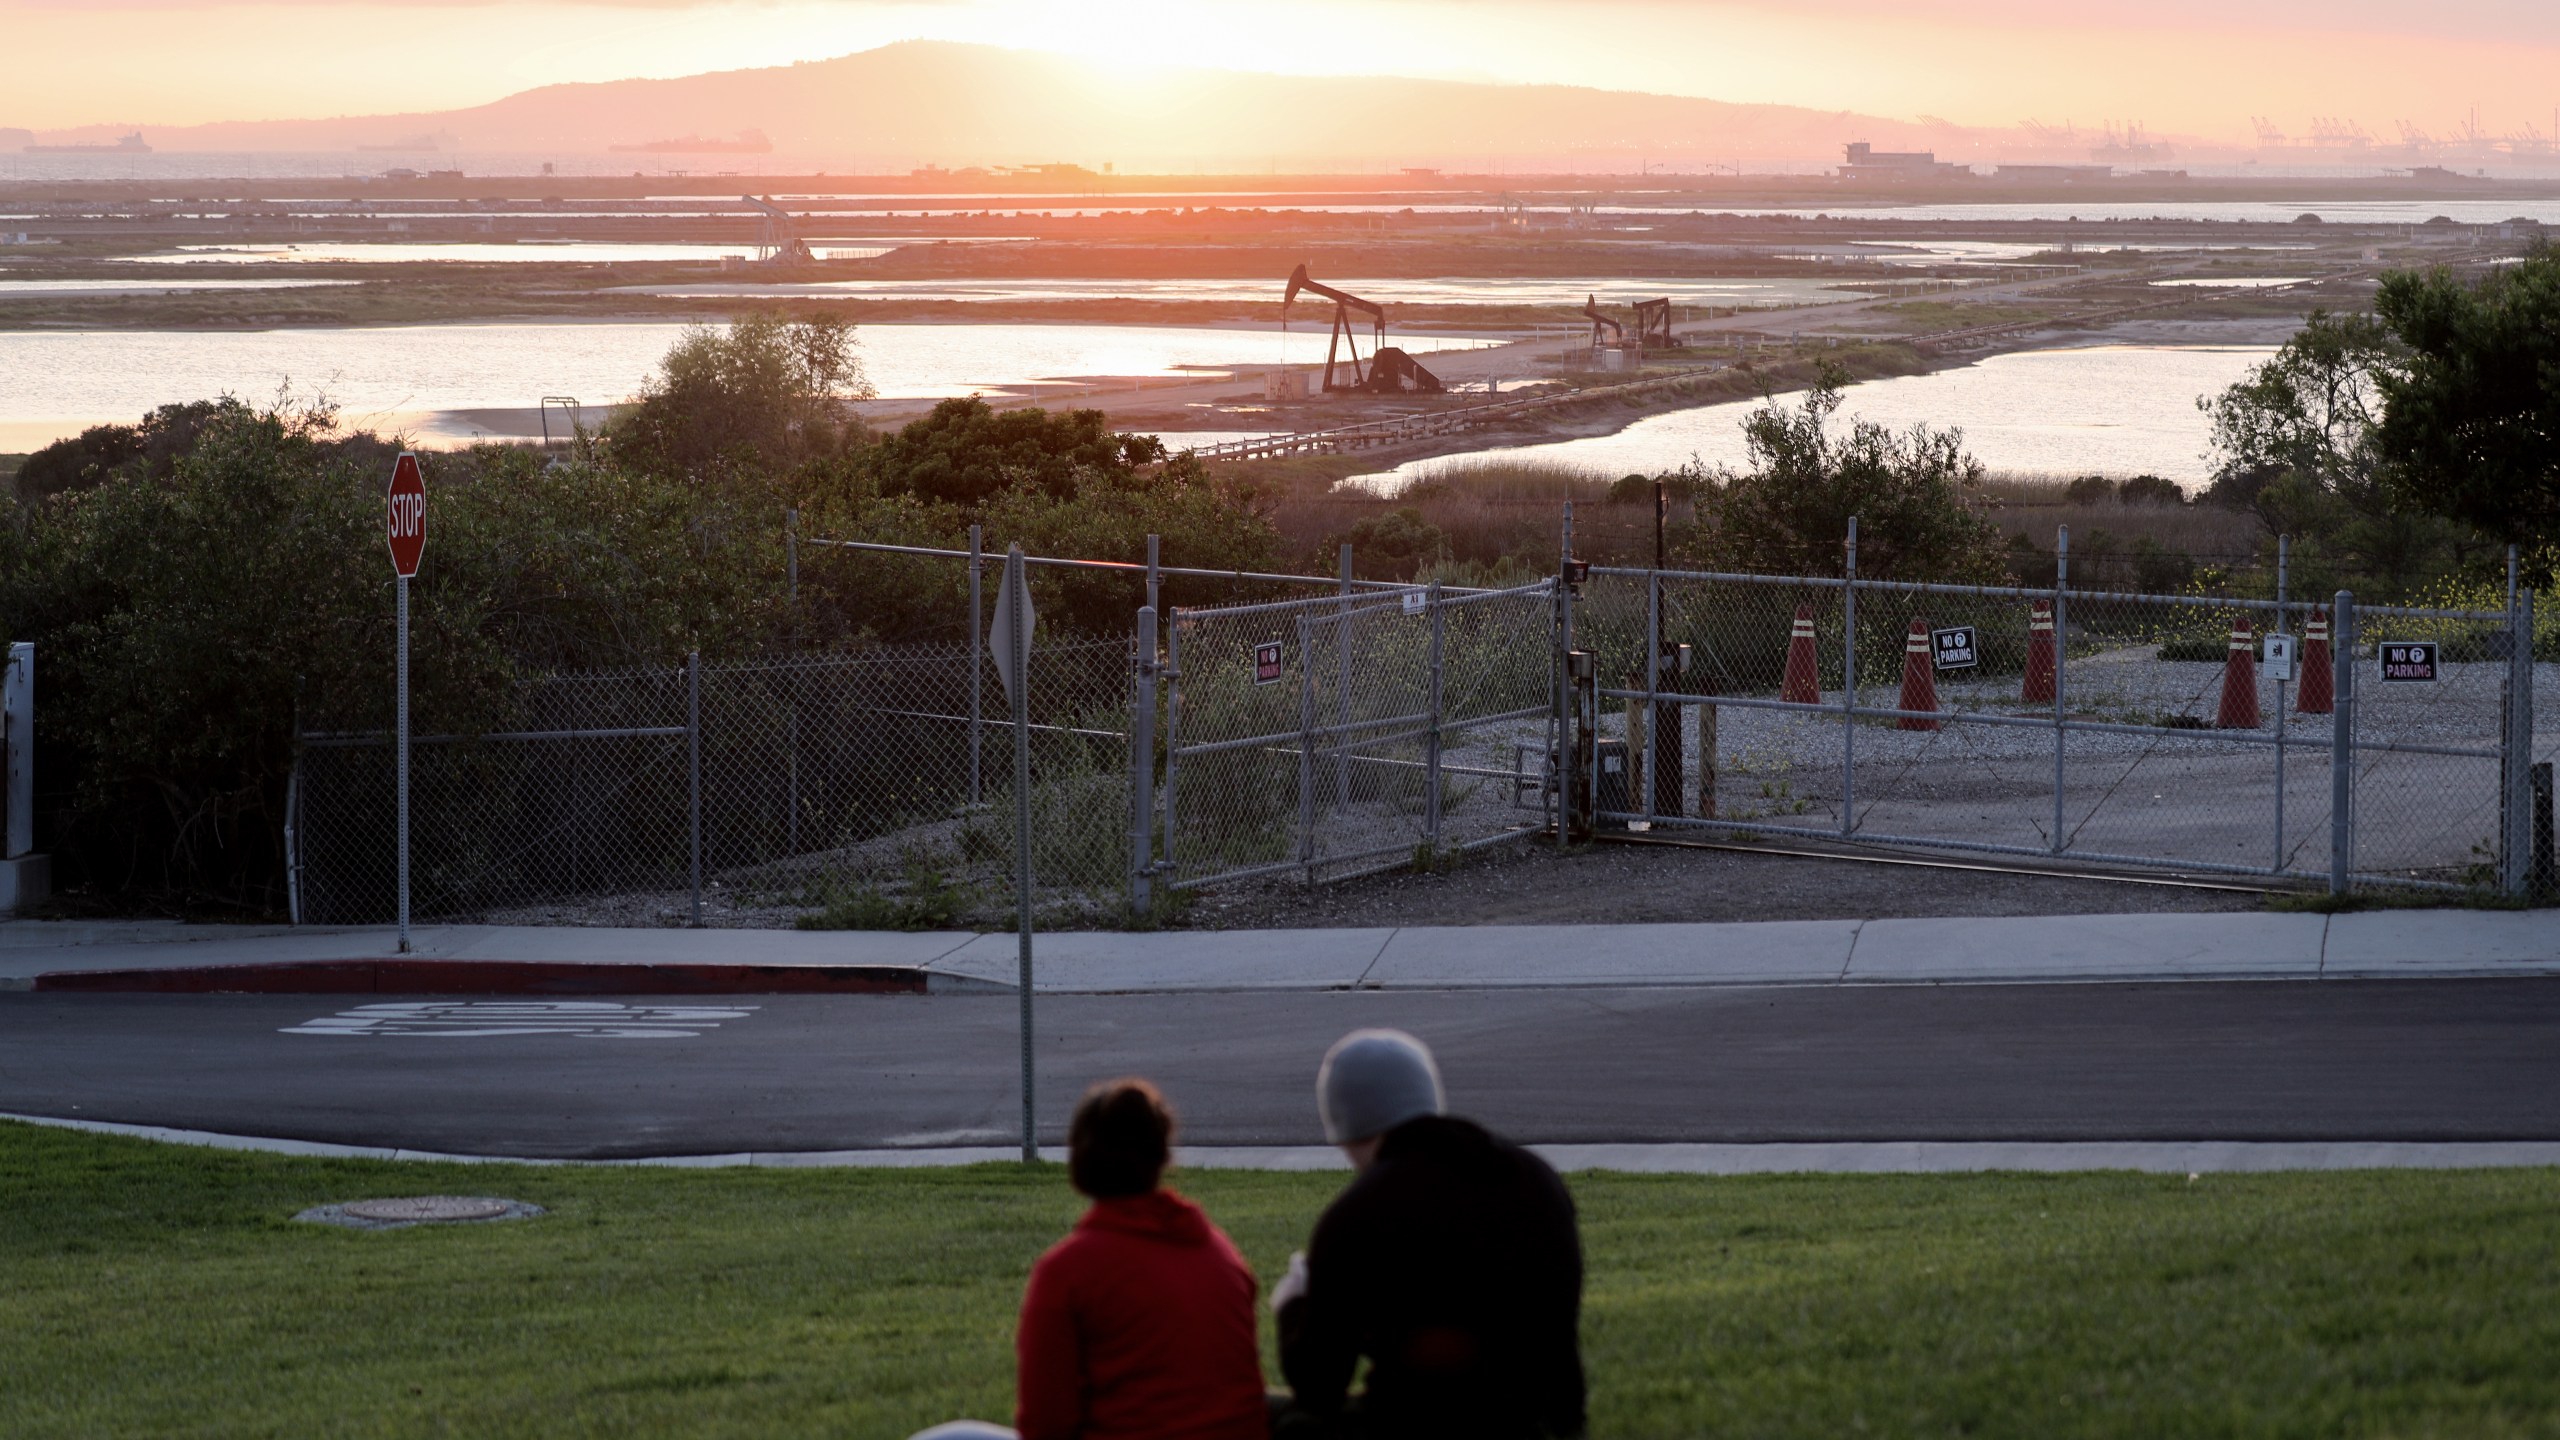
column 1653, row 325
column 1390, row 370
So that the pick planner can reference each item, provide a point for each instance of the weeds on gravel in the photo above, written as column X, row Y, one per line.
column 929, row 899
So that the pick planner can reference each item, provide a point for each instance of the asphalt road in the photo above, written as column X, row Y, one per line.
column 2366, row 1060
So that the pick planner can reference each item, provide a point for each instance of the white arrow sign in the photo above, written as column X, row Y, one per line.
column 1001, row 640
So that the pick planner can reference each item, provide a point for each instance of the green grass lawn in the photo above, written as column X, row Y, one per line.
column 151, row 1290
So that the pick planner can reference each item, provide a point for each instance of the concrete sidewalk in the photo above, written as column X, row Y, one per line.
column 2369, row 945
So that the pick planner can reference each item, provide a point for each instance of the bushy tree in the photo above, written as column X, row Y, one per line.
column 1916, row 496
column 966, row 452
column 2298, row 446
column 1400, row 544
column 2470, row 425
column 763, row 395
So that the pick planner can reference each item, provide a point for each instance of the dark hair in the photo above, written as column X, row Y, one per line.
column 1119, row 1141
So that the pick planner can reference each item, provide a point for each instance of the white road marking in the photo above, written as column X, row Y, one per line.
column 585, row 1019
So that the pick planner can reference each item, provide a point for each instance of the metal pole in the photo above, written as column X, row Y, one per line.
column 1018, row 591
column 401, row 584
column 1142, row 766
column 2342, row 728
column 1564, row 740
column 2284, row 551
column 977, row 661
column 18, row 714
column 1306, row 748
column 1172, row 729
column 2061, row 649
column 1342, row 698
column 791, row 747
column 1652, row 668
column 1431, row 757
column 1154, row 579
column 1849, row 684
column 2517, row 858
column 693, row 771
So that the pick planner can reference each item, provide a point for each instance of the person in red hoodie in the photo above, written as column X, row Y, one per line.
column 1140, row 1324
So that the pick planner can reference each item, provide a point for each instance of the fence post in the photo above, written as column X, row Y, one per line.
column 2342, row 726
column 1172, row 727
column 1561, row 742
column 2284, row 715
column 1154, row 579
column 693, row 772
column 1431, row 756
column 1142, row 766
column 1652, row 674
column 2061, row 676
column 1306, row 748
column 1017, row 591
column 977, row 660
column 1849, row 684
column 1342, row 701
column 18, row 743
column 2516, row 853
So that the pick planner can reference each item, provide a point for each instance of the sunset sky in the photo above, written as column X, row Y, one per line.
column 2176, row 65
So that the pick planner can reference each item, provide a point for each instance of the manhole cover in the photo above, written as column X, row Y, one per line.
column 408, row 1210
column 415, row 1208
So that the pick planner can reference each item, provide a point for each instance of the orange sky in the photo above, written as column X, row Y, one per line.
column 2176, row 65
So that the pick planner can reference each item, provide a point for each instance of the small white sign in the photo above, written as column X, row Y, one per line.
column 1414, row 600
column 2278, row 657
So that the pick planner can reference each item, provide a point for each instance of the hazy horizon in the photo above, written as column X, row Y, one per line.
column 2179, row 68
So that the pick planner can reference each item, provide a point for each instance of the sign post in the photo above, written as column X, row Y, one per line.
column 406, row 527
column 1010, row 643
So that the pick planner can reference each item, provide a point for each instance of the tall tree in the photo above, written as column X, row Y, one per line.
column 2471, row 420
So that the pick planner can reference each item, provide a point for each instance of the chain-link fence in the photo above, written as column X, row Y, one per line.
column 2202, row 735
column 875, row 788
column 1328, row 738
column 1373, row 726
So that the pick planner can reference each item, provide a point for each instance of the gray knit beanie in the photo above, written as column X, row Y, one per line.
column 1372, row 1081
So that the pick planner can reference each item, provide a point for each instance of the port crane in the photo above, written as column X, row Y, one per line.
column 1390, row 371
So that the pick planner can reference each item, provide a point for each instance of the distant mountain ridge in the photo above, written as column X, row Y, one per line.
column 939, row 103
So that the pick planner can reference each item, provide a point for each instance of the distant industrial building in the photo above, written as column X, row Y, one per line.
column 1864, row 162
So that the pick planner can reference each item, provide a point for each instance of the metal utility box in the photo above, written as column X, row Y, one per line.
column 1612, row 792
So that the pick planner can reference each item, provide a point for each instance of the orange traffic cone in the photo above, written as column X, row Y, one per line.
column 2313, row 696
column 2039, row 684
column 1919, row 679
column 1802, row 683
column 2240, row 680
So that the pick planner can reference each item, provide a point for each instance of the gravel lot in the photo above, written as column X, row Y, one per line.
column 1608, row 883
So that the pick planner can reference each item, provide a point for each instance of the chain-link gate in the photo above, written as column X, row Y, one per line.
column 1339, row 736
column 2116, row 729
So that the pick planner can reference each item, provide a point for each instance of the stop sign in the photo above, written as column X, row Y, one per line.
column 408, row 515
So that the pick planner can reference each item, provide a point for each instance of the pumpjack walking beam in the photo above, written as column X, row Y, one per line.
column 1390, row 369
column 1617, row 332
column 1343, row 333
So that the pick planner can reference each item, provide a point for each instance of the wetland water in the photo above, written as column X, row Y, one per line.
column 408, row 375
column 2104, row 409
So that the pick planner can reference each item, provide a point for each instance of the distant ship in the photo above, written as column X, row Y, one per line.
column 745, row 142
column 129, row 145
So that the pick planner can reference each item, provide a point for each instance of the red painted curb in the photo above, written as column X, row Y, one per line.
column 491, row 977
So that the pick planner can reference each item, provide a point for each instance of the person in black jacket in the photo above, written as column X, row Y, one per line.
column 1452, row 1263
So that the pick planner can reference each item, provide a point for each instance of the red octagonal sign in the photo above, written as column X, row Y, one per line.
column 408, row 515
